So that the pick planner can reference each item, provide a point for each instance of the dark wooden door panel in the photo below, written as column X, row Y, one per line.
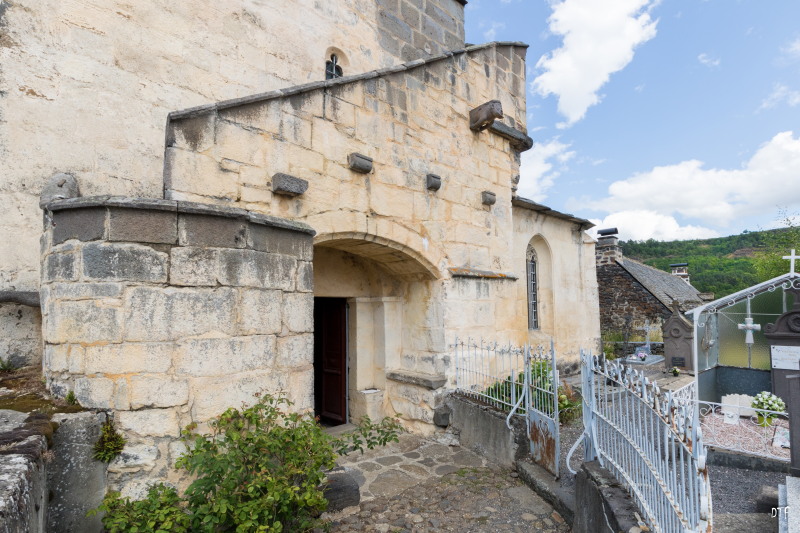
column 330, row 359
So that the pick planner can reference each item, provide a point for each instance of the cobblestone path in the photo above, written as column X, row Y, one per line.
column 421, row 486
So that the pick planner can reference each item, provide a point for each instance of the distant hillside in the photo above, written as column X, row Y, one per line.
column 722, row 265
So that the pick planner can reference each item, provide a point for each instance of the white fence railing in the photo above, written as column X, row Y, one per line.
column 516, row 380
column 651, row 442
column 744, row 429
column 490, row 372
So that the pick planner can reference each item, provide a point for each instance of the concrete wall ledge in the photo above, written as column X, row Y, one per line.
column 192, row 208
column 483, row 429
column 605, row 506
column 718, row 457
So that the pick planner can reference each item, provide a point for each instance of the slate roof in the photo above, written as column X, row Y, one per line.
column 663, row 285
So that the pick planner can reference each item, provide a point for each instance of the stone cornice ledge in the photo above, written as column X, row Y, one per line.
column 427, row 381
column 465, row 272
column 191, row 208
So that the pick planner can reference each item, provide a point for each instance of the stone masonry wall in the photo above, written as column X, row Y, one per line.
column 86, row 86
column 170, row 312
column 622, row 296
column 74, row 72
column 412, row 120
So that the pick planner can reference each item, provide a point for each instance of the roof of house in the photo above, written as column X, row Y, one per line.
column 663, row 285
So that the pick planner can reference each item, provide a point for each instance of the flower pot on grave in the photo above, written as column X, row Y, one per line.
column 765, row 420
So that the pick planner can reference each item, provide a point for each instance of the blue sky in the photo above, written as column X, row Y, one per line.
column 670, row 119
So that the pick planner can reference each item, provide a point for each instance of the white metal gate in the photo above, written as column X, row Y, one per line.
column 651, row 442
column 517, row 380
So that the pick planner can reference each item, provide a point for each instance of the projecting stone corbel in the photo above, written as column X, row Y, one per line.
column 484, row 115
column 519, row 141
column 287, row 185
column 488, row 198
column 359, row 163
column 28, row 298
column 433, row 182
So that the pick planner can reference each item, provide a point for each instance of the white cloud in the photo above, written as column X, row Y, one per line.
column 780, row 94
column 708, row 60
column 716, row 197
column 792, row 49
column 491, row 33
column 599, row 39
column 537, row 172
column 643, row 224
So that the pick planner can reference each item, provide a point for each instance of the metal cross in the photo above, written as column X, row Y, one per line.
column 791, row 258
column 648, row 328
column 749, row 328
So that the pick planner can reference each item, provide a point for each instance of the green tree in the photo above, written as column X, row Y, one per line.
column 769, row 262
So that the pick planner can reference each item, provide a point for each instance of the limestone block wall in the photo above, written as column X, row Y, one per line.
column 20, row 337
column 86, row 86
column 411, row 120
column 566, row 278
column 170, row 312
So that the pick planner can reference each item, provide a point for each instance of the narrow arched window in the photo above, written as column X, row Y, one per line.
column 332, row 68
column 533, row 297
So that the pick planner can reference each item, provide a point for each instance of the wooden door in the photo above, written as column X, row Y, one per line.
column 330, row 360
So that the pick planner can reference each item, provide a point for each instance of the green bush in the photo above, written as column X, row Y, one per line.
column 261, row 469
column 71, row 399
column 110, row 443
column 6, row 366
column 160, row 512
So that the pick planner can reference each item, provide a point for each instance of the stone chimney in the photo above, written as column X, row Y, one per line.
column 681, row 270
column 607, row 249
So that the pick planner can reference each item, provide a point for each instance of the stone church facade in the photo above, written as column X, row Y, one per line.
column 326, row 237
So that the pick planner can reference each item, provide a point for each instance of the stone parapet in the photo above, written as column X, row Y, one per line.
column 167, row 313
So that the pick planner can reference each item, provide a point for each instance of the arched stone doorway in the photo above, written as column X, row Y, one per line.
column 362, row 291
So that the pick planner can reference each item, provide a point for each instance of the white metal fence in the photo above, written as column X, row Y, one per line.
column 516, row 380
column 651, row 442
column 490, row 372
column 744, row 429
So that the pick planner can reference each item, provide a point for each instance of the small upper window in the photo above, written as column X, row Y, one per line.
column 332, row 68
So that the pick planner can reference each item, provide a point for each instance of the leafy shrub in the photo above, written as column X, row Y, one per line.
column 110, row 443
column 6, row 366
column 260, row 469
column 260, row 466
column 570, row 405
column 71, row 399
column 369, row 434
column 160, row 512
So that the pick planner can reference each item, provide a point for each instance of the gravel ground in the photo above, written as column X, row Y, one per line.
column 734, row 490
column 470, row 500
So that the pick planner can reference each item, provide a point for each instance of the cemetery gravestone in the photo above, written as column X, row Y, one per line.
column 678, row 336
column 784, row 339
